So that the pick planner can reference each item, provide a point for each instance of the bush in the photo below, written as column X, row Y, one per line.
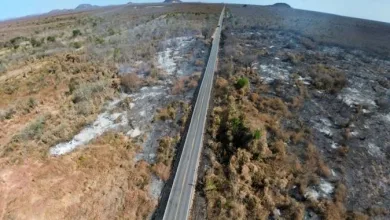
column 99, row 40
column 86, row 91
column 327, row 78
column 3, row 68
column 77, row 45
column 32, row 131
column 36, row 43
column 76, row 33
column 168, row 113
column 130, row 82
column 111, row 32
column 257, row 135
column 7, row 114
column 85, row 108
column 206, row 32
column 51, row 38
column 242, row 82
column 17, row 40
column 165, row 151
column 30, row 105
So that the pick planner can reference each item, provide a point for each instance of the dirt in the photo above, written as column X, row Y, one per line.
column 26, row 69
column 72, row 186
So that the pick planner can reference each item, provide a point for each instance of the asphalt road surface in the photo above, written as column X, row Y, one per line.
column 183, row 188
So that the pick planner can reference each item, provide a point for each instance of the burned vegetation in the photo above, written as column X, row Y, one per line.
column 291, row 132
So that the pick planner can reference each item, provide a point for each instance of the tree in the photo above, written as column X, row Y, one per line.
column 76, row 32
column 206, row 32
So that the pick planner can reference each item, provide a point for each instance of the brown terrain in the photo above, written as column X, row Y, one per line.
column 67, row 71
column 94, row 104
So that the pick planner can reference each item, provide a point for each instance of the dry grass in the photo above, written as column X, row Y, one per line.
column 56, row 73
column 327, row 78
column 66, row 96
column 165, row 153
column 131, row 82
column 254, row 164
column 77, row 182
column 185, row 83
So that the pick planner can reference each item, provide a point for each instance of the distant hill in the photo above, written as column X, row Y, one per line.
column 172, row 1
column 281, row 5
column 57, row 11
column 86, row 7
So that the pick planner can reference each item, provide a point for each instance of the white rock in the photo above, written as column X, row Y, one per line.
column 134, row 133
column 326, row 187
column 334, row 145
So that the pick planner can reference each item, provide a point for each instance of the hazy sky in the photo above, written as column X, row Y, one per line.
column 369, row 9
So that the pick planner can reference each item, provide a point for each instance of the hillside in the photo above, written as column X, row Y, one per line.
column 172, row 1
column 281, row 5
column 86, row 7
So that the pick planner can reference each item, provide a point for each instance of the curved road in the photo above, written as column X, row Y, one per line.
column 183, row 188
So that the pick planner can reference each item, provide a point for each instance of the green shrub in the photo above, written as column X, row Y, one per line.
column 76, row 33
column 111, row 32
column 99, row 40
column 51, row 38
column 77, row 45
column 237, row 124
column 242, row 82
column 257, row 135
column 15, row 42
column 36, row 43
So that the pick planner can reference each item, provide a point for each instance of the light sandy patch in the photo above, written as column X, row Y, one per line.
column 5, row 51
column 23, row 70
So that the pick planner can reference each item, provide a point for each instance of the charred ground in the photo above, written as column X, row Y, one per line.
column 300, row 126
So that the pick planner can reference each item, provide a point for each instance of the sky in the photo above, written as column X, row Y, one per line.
column 369, row 9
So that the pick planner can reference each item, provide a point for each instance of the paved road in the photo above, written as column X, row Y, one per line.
column 183, row 188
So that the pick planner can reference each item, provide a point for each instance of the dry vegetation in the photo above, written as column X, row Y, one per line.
column 56, row 74
column 178, row 114
column 105, row 169
column 257, row 167
column 260, row 156
column 49, row 104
